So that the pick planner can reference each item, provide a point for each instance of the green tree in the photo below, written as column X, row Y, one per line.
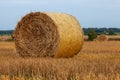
column 92, row 35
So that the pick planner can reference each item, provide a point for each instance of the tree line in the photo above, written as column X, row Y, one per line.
column 108, row 31
column 6, row 32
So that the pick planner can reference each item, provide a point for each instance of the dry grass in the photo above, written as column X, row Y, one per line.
column 96, row 61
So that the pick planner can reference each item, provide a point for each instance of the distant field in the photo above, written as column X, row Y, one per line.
column 110, row 37
column 96, row 61
column 6, row 38
column 116, row 38
column 118, row 33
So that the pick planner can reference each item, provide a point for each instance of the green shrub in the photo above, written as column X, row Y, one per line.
column 92, row 35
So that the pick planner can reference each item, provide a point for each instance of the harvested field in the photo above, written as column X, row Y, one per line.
column 96, row 61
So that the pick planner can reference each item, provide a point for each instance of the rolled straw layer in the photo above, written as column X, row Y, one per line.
column 102, row 37
column 42, row 34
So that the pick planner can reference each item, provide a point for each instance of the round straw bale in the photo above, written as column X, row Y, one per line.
column 102, row 37
column 42, row 34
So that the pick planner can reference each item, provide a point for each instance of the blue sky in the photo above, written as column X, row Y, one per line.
column 90, row 13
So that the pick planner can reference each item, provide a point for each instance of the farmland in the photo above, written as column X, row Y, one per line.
column 96, row 61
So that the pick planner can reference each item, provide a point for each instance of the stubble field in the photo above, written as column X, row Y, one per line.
column 96, row 61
